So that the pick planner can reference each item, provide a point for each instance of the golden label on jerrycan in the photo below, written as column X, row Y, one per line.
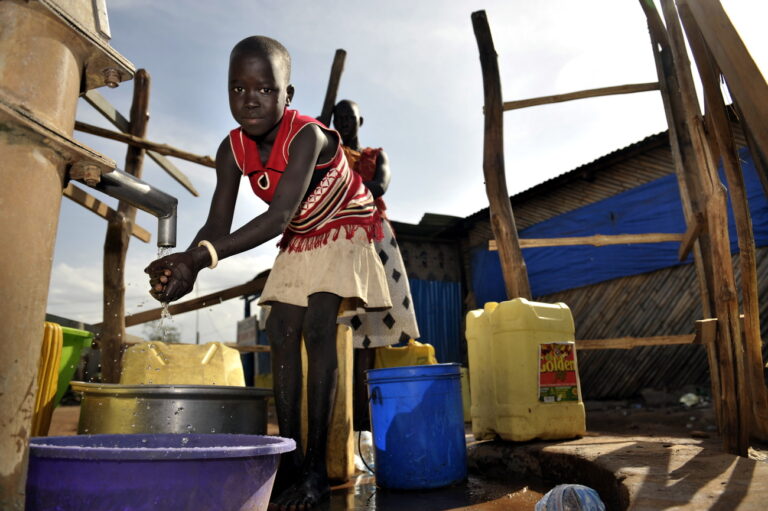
column 521, row 397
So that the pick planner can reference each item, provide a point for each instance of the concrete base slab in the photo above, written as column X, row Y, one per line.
column 636, row 472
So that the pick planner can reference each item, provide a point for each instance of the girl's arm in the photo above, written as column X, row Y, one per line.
column 184, row 266
column 380, row 182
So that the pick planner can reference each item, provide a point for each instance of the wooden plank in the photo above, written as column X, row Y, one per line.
column 687, row 149
column 597, row 240
column 679, row 141
column 100, row 103
column 333, row 87
column 706, row 331
column 135, row 141
column 626, row 343
column 695, row 228
column 745, row 82
column 254, row 286
column 734, row 389
column 582, row 94
column 502, row 220
column 90, row 202
column 719, row 124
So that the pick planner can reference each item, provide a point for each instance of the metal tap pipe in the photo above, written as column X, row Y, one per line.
column 137, row 193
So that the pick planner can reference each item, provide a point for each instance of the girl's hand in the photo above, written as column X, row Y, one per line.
column 172, row 276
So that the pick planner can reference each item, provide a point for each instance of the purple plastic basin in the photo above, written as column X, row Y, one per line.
column 153, row 472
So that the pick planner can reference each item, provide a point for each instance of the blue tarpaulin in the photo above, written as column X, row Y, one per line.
column 654, row 207
column 438, row 313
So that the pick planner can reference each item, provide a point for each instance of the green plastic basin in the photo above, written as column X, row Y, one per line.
column 74, row 342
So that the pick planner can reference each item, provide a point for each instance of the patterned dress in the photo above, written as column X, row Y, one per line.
column 398, row 324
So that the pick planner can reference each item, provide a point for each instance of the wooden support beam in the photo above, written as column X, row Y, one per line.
column 135, row 141
column 706, row 332
column 117, row 240
column 105, row 108
column 582, row 94
column 691, row 236
column 725, row 146
column 745, row 82
column 679, row 141
column 333, row 87
column 626, row 343
column 701, row 172
column 88, row 201
column 502, row 220
column 254, row 286
column 597, row 240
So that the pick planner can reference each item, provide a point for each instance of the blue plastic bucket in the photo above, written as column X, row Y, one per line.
column 418, row 426
column 196, row 472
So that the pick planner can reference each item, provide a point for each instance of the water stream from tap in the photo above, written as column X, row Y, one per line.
column 165, row 314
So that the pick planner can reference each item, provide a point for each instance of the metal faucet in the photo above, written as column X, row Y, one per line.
column 137, row 193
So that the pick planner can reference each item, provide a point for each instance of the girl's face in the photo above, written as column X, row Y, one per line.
column 258, row 93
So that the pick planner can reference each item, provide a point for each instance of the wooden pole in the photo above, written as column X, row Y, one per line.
column 719, row 124
column 100, row 103
column 139, row 142
column 502, row 220
column 745, row 82
column 734, row 393
column 707, row 193
column 678, row 138
column 597, row 240
column 333, row 87
column 117, row 240
column 582, row 94
column 91, row 203
column 254, row 286
column 627, row 343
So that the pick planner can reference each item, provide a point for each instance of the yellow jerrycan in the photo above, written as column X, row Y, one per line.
column 481, row 382
column 156, row 362
column 529, row 372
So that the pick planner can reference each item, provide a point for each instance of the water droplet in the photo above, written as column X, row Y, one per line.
column 184, row 441
column 213, row 430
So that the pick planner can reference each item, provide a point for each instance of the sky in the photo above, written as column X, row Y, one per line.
column 413, row 67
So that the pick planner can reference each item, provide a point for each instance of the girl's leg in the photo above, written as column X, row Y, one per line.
column 320, row 339
column 319, row 332
column 284, row 326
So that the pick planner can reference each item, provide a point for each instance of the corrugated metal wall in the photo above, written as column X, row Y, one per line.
column 438, row 312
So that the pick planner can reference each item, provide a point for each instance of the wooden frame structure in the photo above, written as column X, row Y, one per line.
column 121, row 222
column 698, row 143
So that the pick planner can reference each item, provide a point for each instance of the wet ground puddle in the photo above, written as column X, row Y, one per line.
column 475, row 493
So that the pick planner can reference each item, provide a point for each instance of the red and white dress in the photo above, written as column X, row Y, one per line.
column 328, row 244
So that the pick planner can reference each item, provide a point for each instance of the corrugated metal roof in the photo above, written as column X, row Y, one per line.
column 584, row 171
